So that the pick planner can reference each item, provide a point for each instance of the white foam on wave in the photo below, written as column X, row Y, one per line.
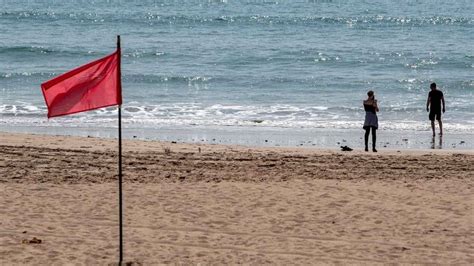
column 275, row 116
column 20, row 108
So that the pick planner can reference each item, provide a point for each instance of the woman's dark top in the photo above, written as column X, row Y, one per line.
column 369, row 108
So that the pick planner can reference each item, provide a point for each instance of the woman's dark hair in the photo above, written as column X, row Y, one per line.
column 370, row 93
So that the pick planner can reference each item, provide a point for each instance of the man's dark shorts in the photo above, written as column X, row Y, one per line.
column 435, row 114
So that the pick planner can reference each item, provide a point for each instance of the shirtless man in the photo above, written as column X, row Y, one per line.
column 433, row 105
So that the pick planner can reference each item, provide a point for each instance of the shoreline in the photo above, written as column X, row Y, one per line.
column 157, row 161
column 266, row 137
column 110, row 143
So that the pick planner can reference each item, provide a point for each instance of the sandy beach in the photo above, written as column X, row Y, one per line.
column 216, row 204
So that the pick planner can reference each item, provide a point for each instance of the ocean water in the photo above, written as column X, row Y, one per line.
column 256, row 72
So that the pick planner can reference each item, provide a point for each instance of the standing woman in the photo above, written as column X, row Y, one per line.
column 371, row 120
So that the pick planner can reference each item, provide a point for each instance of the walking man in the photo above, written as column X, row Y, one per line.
column 433, row 105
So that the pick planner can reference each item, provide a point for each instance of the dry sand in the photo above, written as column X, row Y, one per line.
column 210, row 204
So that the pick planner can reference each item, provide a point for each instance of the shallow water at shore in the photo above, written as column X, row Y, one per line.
column 269, row 137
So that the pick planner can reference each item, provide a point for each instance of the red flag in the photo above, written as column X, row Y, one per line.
column 91, row 86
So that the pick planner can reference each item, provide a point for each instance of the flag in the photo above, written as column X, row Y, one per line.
column 91, row 86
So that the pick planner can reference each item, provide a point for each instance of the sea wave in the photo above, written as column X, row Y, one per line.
column 278, row 116
column 26, row 74
column 80, row 121
column 23, row 51
column 26, row 49
column 153, row 18
column 152, row 78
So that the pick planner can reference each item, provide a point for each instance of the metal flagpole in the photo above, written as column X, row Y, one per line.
column 120, row 153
